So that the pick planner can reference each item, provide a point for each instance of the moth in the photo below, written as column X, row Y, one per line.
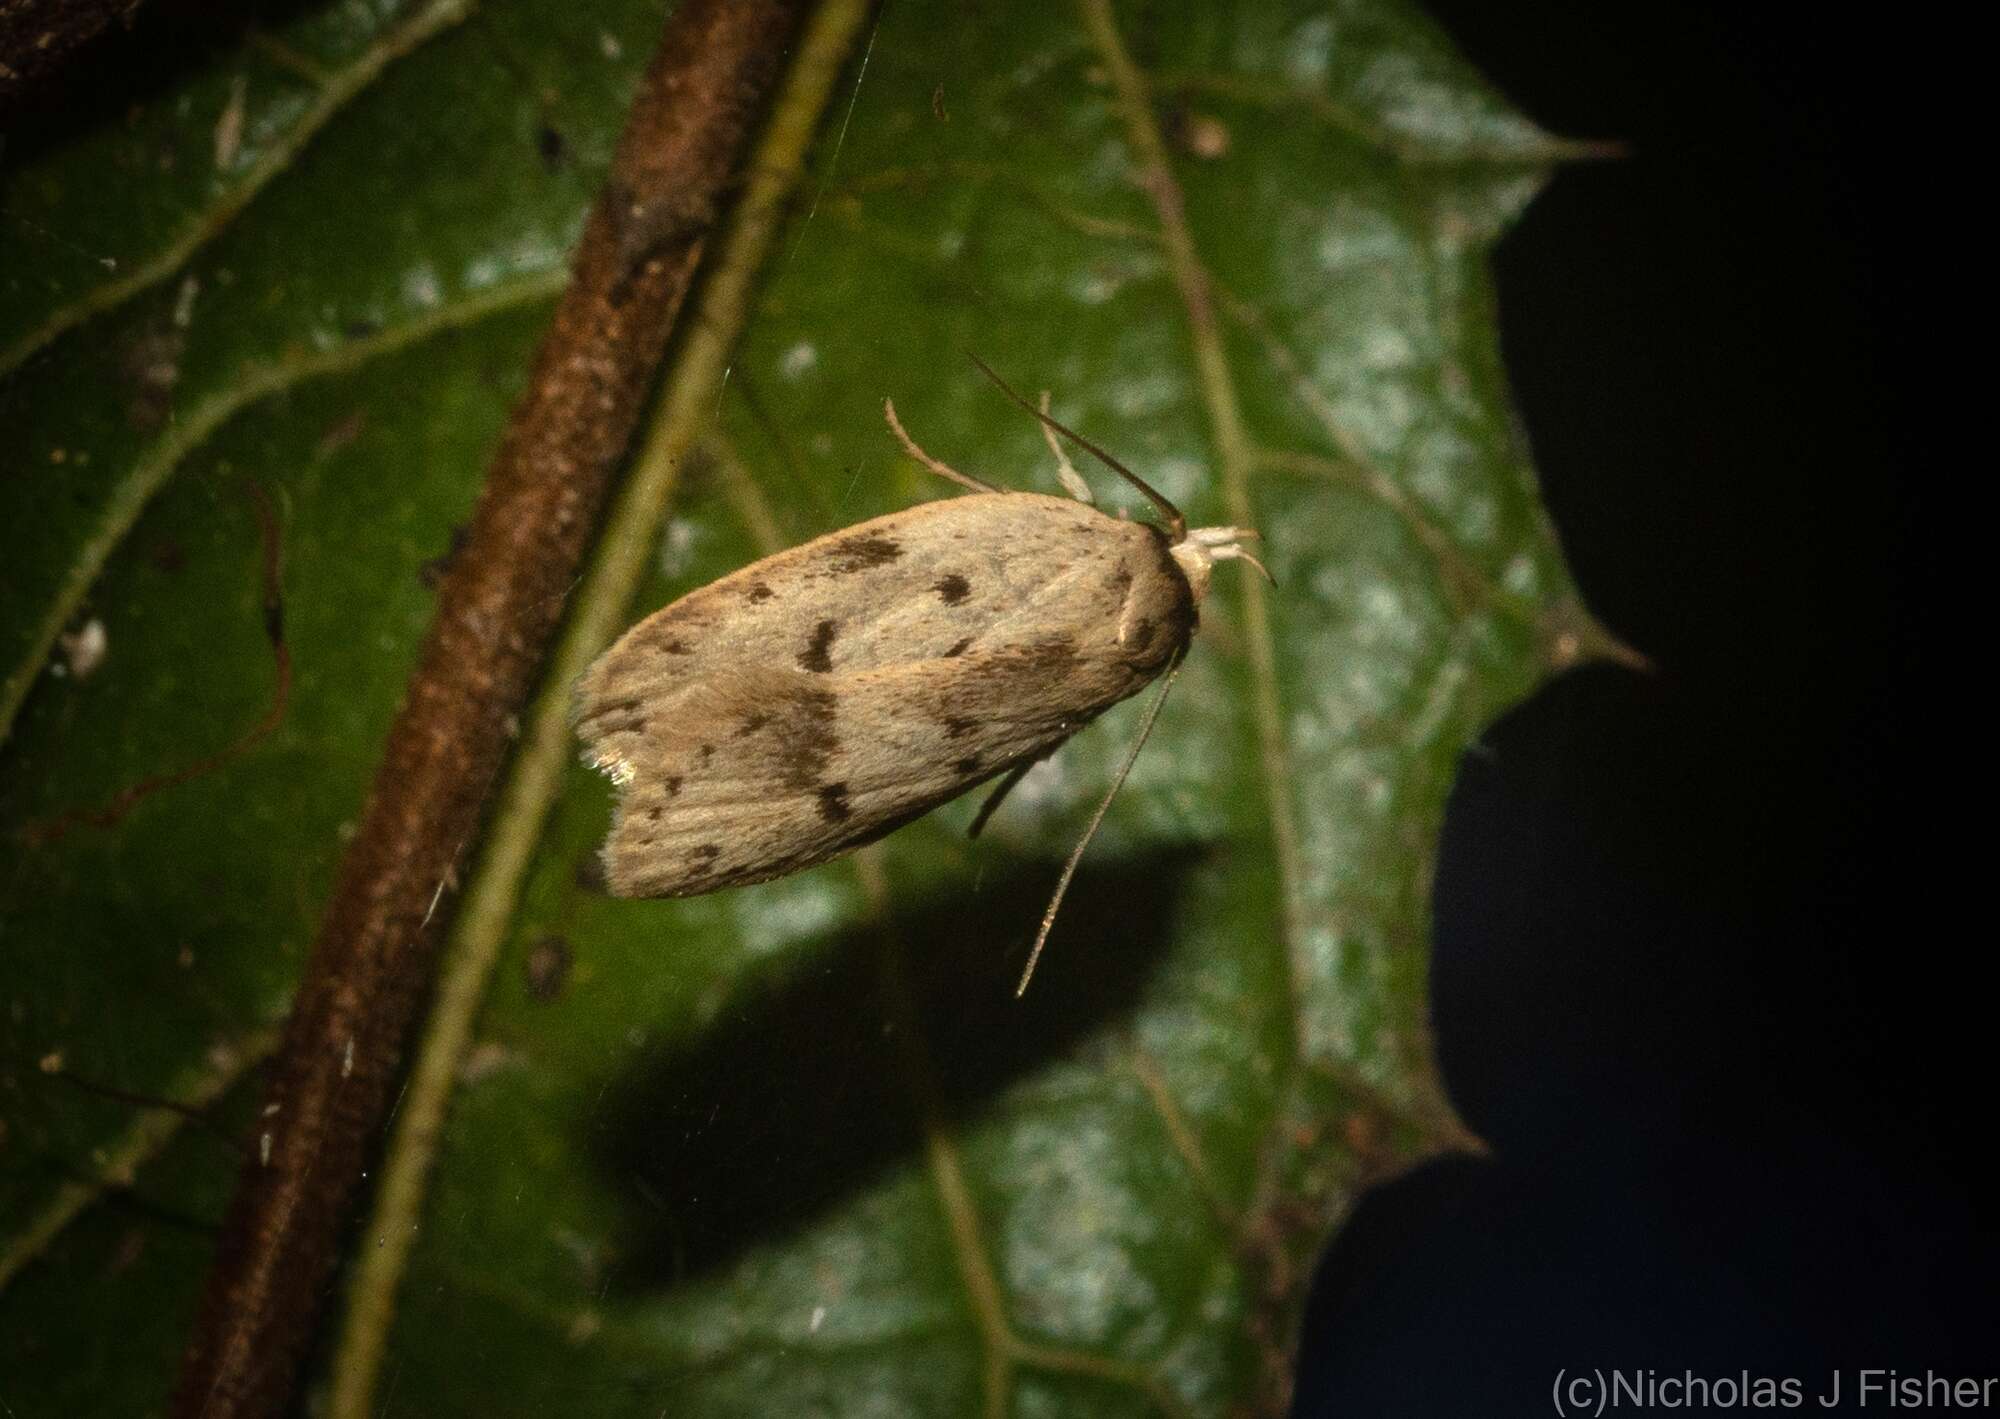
column 823, row 697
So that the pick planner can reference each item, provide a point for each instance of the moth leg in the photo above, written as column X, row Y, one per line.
column 1176, row 523
column 1072, row 480
column 1000, row 791
column 1096, row 821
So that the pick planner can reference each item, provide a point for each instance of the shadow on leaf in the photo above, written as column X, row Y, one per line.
column 807, row 1090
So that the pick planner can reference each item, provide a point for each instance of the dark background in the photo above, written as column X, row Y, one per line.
column 1699, row 979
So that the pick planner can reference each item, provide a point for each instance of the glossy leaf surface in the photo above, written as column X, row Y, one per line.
column 794, row 1148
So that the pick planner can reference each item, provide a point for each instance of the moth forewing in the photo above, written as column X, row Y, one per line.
column 816, row 699
column 925, row 583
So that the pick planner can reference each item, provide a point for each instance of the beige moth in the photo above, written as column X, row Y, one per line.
column 824, row 696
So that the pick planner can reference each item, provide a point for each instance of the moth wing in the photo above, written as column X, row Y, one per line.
column 759, row 772
column 933, row 581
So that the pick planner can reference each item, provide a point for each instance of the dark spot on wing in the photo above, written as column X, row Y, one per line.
column 671, row 635
column 705, row 853
column 672, row 784
column 805, row 741
column 967, row 766
column 667, row 645
column 952, row 589
column 705, row 752
column 761, row 592
column 833, row 803
column 667, row 639
column 1038, row 681
column 1053, row 653
column 956, row 728
column 1026, row 666
column 958, row 649
column 858, row 554
column 814, row 656
column 653, row 813
column 751, row 725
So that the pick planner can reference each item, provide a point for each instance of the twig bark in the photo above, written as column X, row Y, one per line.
column 599, row 609
column 498, row 607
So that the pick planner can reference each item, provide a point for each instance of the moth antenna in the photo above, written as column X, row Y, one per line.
column 1176, row 521
column 1000, row 791
column 1096, row 820
column 1071, row 480
column 937, row 466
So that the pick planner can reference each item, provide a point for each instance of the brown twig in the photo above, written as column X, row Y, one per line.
column 498, row 606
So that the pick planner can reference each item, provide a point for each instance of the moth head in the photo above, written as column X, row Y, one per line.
column 1201, row 548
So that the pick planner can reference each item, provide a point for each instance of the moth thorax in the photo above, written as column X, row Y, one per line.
column 1197, row 553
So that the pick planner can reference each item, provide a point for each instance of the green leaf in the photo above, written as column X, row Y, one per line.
column 793, row 1148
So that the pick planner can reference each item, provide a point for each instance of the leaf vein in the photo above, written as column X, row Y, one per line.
column 205, row 224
